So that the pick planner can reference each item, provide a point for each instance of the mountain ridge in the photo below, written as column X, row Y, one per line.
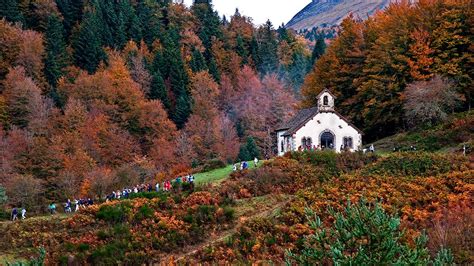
column 327, row 13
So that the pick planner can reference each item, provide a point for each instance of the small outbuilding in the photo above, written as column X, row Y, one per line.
column 320, row 128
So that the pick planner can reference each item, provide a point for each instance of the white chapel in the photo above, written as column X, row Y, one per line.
column 320, row 127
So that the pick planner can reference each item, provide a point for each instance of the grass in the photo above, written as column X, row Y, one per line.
column 218, row 175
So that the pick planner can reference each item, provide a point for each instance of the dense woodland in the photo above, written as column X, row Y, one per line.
column 371, row 63
column 95, row 93
column 102, row 94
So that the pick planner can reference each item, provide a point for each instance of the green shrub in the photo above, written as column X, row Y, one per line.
column 109, row 254
column 362, row 235
column 149, row 195
column 326, row 159
column 415, row 164
column 229, row 213
column 113, row 213
column 205, row 214
column 212, row 165
column 82, row 247
column 144, row 212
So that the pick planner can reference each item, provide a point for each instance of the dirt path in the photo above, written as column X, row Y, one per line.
column 213, row 240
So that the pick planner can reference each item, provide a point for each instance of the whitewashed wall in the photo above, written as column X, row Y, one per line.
column 328, row 121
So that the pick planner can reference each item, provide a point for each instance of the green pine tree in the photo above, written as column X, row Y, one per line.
column 158, row 89
column 55, row 46
column 252, row 148
column 71, row 10
column 362, row 235
column 148, row 13
column 254, row 47
column 88, row 51
column 297, row 70
column 209, row 24
column 198, row 62
column 318, row 51
column 244, row 154
column 268, row 50
column 135, row 31
column 177, row 77
column 241, row 50
column 214, row 70
column 10, row 10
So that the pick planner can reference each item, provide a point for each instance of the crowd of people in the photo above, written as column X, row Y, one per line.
column 176, row 183
column 77, row 204
column 160, row 186
column 244, row 165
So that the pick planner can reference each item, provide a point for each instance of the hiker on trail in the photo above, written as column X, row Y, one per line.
column 52, row 208
column 255, row 161
column 76, row 205
column 241, row 166
column 157, row 187
column 245, row 165
column 23, row 213
column 372, row 148
column 68, row 206
column 234, row 167
column 14, row 214
column 464, row 150
column 90, row 202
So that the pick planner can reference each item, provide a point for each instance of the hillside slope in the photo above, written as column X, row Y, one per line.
column 331, row 12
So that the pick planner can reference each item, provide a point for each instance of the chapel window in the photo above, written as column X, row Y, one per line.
column 325, row 100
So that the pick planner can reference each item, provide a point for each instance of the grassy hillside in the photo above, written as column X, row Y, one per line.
column 257, row 215
column 447, row 137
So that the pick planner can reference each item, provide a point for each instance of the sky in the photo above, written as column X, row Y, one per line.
column 278, row 11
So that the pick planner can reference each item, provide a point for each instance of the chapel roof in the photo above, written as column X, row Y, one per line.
column 305, row 115
column 299, row 120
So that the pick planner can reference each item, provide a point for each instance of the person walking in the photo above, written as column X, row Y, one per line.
column 372, row 148
column 23, row 213
column 52, row 208
column 76, row 205
column 157, row 187
column 14, row 214
column 255, row 161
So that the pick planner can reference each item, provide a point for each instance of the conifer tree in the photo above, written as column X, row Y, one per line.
column 241, row 50
column 210, row 24
column 148, row 14
column 214, row 70
column 252, row 148
column 88, row 51
column 318, row 50
column 178, row 78
column 198, row 62
column 55, row 46
column 158, row 89
column 244, row 153
column 297, row 70
column 254, row 47
column 268, row 49
column 10, row 11
column 71, row 11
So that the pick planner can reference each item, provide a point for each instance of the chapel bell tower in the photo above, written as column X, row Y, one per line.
column 326, row 101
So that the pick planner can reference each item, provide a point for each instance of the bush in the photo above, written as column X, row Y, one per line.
column 212, row 165
column 326, row 159
column 362, row 235
column 415, row 164
column 113, row 213
column 144, row 212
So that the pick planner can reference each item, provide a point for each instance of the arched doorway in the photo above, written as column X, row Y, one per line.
column 327, row 140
